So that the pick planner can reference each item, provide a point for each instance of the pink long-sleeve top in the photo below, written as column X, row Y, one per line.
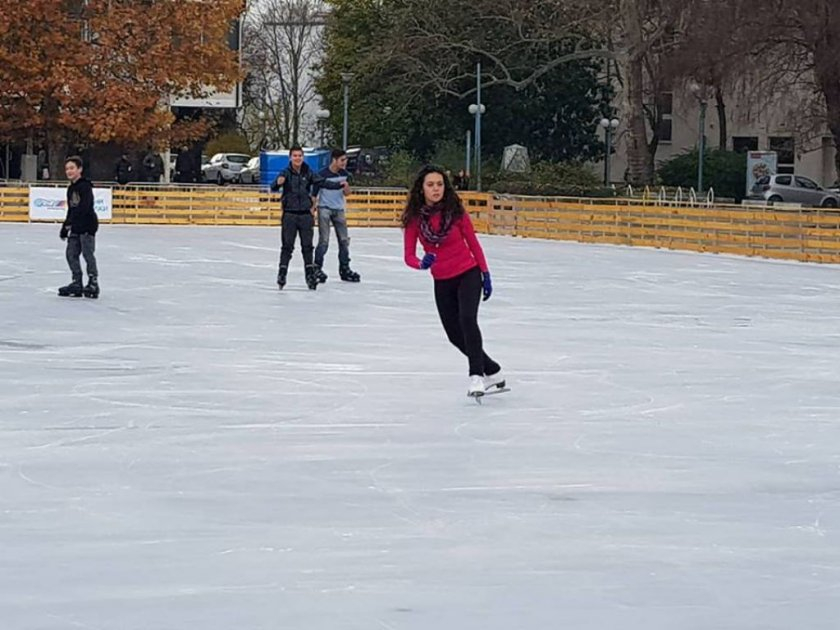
column 460, row 251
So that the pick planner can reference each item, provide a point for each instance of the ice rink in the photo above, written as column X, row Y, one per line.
column 198, row 451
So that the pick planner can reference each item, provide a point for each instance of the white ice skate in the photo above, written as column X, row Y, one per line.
column 476, row 389
column 494, row 382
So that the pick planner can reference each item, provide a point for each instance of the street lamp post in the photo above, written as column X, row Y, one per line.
column 346, row 77
column 609, row 127
column 322, row 115
column 469, row 151
column 700, row 95
column 477, row 109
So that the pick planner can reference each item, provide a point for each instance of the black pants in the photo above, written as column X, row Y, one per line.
column 293, row 224
column 81, row 245
column 457, row 302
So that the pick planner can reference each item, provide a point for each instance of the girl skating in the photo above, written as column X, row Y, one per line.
column 435, row 216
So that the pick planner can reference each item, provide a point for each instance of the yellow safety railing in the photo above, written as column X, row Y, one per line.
column 791, row 233
column 14, row 204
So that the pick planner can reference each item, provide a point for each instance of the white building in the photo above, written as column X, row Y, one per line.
column 778, row 128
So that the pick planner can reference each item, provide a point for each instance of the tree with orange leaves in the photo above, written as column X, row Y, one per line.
column 89, row 71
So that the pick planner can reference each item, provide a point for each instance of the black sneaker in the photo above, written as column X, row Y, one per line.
column 320, row 275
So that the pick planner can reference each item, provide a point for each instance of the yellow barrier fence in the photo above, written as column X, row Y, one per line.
column 795, row 234
column 14, row 204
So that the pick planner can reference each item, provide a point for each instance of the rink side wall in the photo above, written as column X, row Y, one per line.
column 804, row 234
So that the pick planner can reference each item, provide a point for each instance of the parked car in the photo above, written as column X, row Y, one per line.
column 793, row 189
column 251, row 173
column 224, row 167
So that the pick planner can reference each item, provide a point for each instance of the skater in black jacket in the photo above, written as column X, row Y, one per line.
column 79, row 230
column 298, row 181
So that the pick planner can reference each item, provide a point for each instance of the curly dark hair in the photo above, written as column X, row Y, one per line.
column 452, row 206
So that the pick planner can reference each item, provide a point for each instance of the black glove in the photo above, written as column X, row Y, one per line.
column 64, row 233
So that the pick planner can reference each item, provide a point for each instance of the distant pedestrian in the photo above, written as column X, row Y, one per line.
column 153, row 167
column 184, row 167
column 123, row 170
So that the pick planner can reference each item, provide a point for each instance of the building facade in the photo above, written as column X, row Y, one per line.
column 803, row 148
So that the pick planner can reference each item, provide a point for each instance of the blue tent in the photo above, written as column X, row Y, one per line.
column 272, row 162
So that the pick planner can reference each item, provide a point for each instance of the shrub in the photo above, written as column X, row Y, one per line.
column 401, row 170
column 566, row 179
column 724, row 171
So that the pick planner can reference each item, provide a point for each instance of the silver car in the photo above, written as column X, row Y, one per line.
column 224, row 167
column 251, row 173
column 793, row 189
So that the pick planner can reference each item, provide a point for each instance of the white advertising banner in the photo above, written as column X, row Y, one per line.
column 760, row 164
column 50, row 204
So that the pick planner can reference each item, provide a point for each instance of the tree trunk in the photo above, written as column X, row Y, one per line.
column 55, row 141
column 639, row 159
column 827, row 71
column 723, row 131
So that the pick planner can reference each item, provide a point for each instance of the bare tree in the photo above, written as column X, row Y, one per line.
column 282, row 43
column 519, row 41
column 789, row 62
column 814, row 37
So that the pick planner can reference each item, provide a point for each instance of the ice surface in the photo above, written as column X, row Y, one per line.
column 198, row 451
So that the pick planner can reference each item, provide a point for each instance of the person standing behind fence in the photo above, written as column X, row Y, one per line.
column 184, row 167
column 153, row 165
column 79, row 230
column 332, row 206
column 123, row 170
column 297, row 182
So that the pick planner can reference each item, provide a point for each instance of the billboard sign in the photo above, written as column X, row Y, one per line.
column 50, row 204
column 760, row 164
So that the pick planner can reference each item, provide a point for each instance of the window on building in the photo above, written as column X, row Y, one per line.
column 666, row 130
column 785, row 151
column 742, row 144
column 666, row 127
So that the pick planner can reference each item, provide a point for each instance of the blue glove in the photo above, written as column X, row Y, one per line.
column 487, row 285
column 428, row 261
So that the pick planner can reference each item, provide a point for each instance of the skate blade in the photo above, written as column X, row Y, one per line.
column 498, row 390
column 477, row 396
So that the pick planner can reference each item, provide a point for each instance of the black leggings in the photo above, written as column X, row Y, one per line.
column 457, row 303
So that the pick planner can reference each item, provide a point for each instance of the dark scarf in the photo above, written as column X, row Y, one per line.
column 426, row 229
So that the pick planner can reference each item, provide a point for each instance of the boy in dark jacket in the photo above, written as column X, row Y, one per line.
column 79, row 230
column 297, row 181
